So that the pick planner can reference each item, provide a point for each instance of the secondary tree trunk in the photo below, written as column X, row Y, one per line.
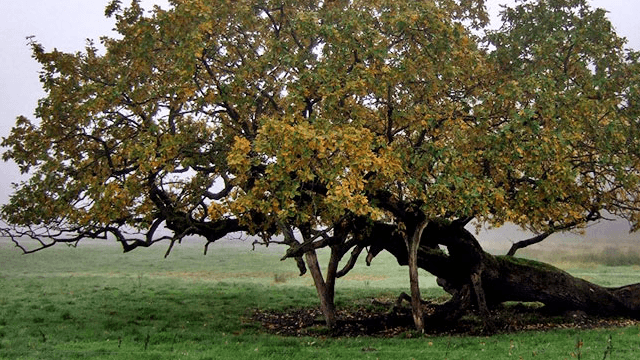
column 478, row 280
column 413, row 245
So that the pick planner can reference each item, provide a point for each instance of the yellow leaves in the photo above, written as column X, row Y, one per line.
column 187, row 92
column 343, row 197
column 499, row 198
column 237, row 157
column 390, row 95
column 216, row 211
column 115, row 201
column 336, row 157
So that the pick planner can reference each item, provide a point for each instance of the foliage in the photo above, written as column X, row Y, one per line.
column 304, row 114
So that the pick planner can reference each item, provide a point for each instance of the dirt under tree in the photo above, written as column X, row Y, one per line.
column 376, row 317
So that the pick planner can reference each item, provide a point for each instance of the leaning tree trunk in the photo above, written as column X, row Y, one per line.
column 512, row 279
column 481, row 281
column 325, row 287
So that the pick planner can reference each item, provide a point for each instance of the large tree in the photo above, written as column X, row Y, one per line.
column 349, row 125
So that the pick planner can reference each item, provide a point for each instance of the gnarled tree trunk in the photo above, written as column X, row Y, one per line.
column 513, row 279
column 481, row 281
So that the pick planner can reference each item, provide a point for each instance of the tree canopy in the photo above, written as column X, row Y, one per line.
column 309, row 123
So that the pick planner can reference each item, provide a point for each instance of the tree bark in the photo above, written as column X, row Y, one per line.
column 325, row 289
column 514, row 279
column 480, row 281
column 413, row 244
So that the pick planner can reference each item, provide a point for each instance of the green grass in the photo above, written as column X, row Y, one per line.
column 95, row 302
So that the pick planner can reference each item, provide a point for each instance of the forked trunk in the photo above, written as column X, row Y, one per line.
column 325, row 289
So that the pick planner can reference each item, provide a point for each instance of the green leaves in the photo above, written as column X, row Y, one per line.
column 562, row 109
column 113, row 7
column 275, row 113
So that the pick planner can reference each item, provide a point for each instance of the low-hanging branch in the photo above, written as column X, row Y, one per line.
column 592, row 216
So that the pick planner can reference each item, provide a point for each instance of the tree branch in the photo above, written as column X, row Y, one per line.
column 592, row 216
column 352, row 261
column 524, row 243
column 290, row 239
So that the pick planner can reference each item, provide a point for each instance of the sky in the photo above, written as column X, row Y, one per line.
column 66, row 24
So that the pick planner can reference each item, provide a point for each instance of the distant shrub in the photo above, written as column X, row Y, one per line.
column 613, row 256
column 280, row 278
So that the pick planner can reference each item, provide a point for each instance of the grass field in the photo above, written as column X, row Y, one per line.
column 95, row 302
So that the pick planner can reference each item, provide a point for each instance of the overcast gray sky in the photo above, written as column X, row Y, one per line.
column 66, row 24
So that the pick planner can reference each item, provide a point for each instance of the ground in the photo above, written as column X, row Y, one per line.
column 377, row 320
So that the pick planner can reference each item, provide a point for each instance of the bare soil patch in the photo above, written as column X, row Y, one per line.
column 376, row 320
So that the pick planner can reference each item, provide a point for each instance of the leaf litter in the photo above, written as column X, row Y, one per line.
column 378, row 320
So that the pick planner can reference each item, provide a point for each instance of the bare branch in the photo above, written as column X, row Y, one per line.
column 352, row 261
column 524, row 243
column 592, row 216
column 228, row 186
